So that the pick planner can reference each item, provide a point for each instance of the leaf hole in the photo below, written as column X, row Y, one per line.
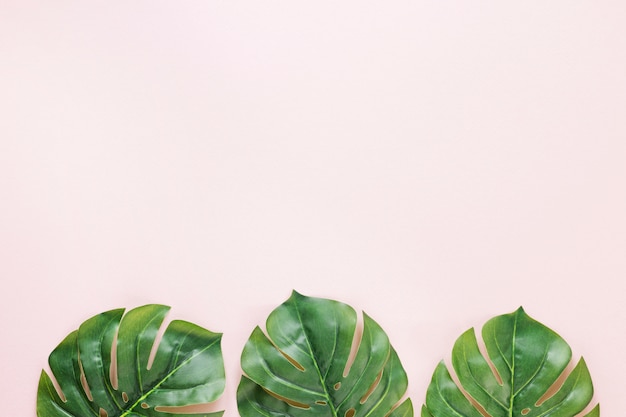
column 321, row 402
column 157, row 342
column 83, row 379
column 125, row 397
column 354, row 348
column 372, row 387
column 103, row 412
column 525, row 411
column 113, row 368
column 478, row 406
column 337, row 386
column 145, row 405
column 57, row 387
column 287, row 400
column 83, row 382
column 350, row 412
column 556, row 386
column 292, row 361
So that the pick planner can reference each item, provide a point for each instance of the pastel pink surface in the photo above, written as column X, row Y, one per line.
column 433, row 164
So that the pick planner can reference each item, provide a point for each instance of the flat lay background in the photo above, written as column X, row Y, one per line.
column 433, row 164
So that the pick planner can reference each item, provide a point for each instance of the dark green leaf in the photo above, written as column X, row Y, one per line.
column 301, row 368
column 95, row 380
column 525, row 374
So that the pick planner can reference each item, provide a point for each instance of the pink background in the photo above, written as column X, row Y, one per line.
column 434, row 163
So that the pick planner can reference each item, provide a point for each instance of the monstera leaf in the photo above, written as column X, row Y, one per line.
column 524, row 375
column 304, row 367
column 106, row 367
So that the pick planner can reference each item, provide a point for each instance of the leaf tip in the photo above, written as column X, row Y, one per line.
column 520, row 312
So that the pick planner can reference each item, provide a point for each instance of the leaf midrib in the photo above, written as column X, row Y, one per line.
column 319, row 373
column 156, row 386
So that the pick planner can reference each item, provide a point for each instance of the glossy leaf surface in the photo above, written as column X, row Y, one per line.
column 97, row 378
column 525, row 374
column 303, row 366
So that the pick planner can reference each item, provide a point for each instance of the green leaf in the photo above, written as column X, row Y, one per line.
column 302, row 367
column 97, row 380
column 525, row 374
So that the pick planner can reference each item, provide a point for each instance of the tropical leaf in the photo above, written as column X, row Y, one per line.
column 525, row 374
column 303, row 367
column 105, row 369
